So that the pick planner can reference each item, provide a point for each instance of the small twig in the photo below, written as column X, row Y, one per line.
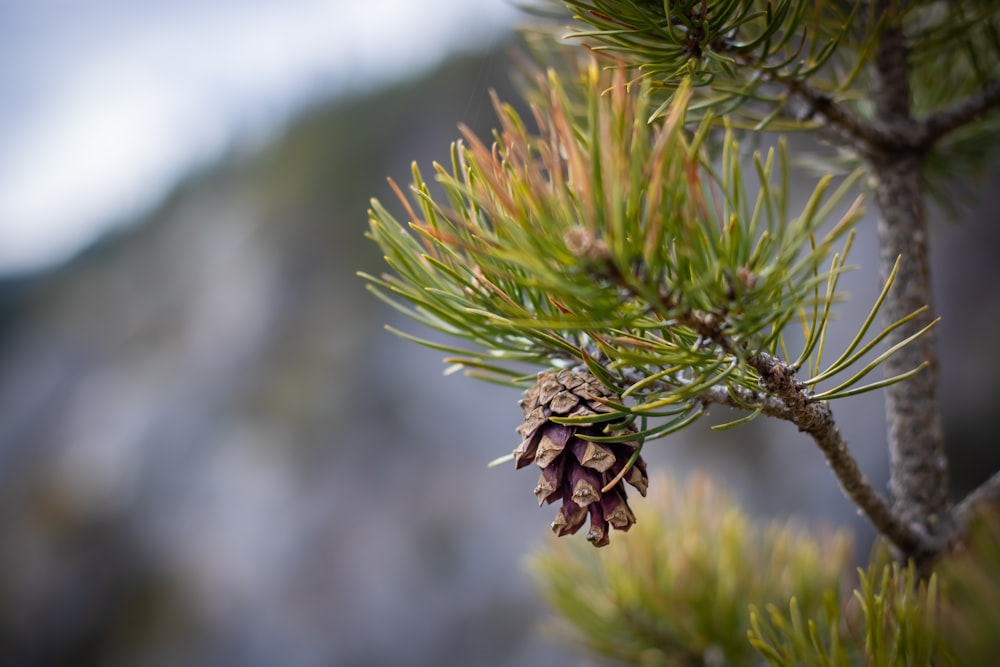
column 790, row 400
column 846, row 128
column 816, row 419
column 740, row 397
column 786, row 398
column 987, row 492
column 961, row 113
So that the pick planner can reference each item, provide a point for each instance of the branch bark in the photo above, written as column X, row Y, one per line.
column 789, row 399
column 919, row 468
column 961, row 113
column 986, row 493
column 842, row 127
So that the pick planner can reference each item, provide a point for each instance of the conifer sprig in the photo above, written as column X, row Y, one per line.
column 591, row 236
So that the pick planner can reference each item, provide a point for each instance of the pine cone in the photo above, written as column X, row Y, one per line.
column 575, row 470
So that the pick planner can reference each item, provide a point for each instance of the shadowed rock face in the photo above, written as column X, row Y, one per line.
column 211, row 454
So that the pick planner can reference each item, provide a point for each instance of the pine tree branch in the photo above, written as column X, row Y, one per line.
column 816, row 420
column 843, row 127
column 791, row 400
column 987, row 492
column 919, row 467
column 788, row 399
column 847, row 129
column 961, row 113
column 740, row 397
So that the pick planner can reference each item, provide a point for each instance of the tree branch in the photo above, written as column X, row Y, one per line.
column 788, row 399
column 770, row 405
column 987, row 492
column 919, row 467
column 816, row 420
column 847, row 129
column 961, row 113
column 844, row 127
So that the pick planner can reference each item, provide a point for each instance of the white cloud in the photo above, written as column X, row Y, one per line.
column 120, row 104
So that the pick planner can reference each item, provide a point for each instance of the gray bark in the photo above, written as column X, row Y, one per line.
column 919, row 467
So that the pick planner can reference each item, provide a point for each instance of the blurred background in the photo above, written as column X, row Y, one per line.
column 210, row 451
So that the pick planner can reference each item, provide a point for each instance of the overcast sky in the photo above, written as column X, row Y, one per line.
column 107, row 102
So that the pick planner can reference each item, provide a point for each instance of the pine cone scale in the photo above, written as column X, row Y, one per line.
column 592, row 455
column 585, row 484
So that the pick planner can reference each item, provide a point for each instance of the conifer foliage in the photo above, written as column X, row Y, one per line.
column 621, row 257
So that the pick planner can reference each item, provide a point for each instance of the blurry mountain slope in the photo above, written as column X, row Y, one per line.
column 210, row 452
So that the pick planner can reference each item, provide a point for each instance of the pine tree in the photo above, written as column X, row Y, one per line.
column 613, row 240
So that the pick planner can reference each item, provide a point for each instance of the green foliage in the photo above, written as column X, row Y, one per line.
column 740, row 54
column 621, row 227
column 889, row 623
column 674, row 590
column 955, row 56
column 752, row 59
column 602, row 239
column 955, row 49
column 896, row 619
column 695, row 579
column 970, row 582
